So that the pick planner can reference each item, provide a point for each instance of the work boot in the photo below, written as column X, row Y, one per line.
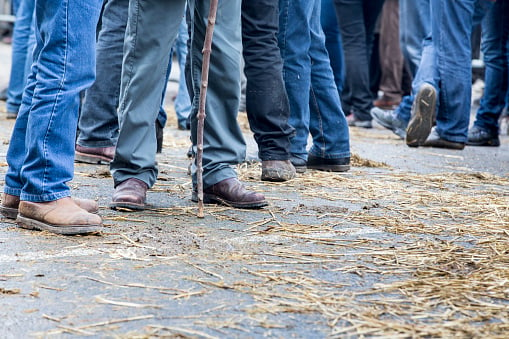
column 130, row 194
column 326, row 164
column 62, row 216
column 10, row 205
column 231, row 192
column 277, row 170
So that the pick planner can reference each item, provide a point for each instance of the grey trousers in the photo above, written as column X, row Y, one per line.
column 151, row 30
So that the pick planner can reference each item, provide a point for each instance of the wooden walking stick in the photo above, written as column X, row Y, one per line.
column 207, row 49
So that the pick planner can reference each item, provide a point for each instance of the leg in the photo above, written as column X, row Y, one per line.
column 143, row 76
column 328, row 126
column 294, row 42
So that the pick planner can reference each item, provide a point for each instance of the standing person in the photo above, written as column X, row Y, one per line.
column 314, row 99
column 267, row 104
column 41, row 165
column 151, row 29
column 357, row 20
column 98, row 122
column 495, row 48
column 451, row 28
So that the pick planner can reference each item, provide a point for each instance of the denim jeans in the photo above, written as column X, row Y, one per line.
column 23, row 42
column 98, row 122
column 151, row 31
column 64, row 64
column 451, row 26
column 333, row 42
column 314, row 99
column 357, row 19
column 434, row 69
column 414, row 26
column 182, row 101
column 268, row 109
column 495, row 48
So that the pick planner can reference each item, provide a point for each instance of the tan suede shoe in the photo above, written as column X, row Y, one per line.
column 10, row 205
column 61, row 216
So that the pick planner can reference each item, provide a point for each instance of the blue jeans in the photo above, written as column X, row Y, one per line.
column 495, row 48
column 23, row 42
column 151, row 31
column 333, row 42
column 98, row 122
column 414, row 26
column 451, row 27
column 64, row 64
column 182, row 101
column 314, row 99
column 357, row 19
column 444, row 70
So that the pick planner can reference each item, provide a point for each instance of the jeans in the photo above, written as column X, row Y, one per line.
column 495, row 48
column 182, row 101
column 451, row 26
column 433, row 68
column 333, row 42
column 314, row 99
column 98, row 122
column 414, row 26
column 151, row 31
column 64, row 64
column 357, row 19
column 23, row 42
column 267, row 106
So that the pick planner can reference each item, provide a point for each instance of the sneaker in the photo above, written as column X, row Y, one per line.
column 353, row 122
column 330, row 165
column 389, row 120
column 423, row 111
column 478, row 136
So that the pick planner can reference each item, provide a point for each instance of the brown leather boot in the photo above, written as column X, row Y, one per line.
column 62, row 216
column 130, row 194
column 94, row 155
column 231, row 192
column 10, row 205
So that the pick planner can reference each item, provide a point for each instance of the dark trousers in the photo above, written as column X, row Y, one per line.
column 266, row 99
column 357, row 19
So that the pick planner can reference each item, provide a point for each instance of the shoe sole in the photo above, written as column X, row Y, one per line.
column 9, row 213
column 215, row 199
column 118, row 206
column 330, row 168
column 421, row 123
column 91, row 159
column 32, row 224
column 489, row 143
